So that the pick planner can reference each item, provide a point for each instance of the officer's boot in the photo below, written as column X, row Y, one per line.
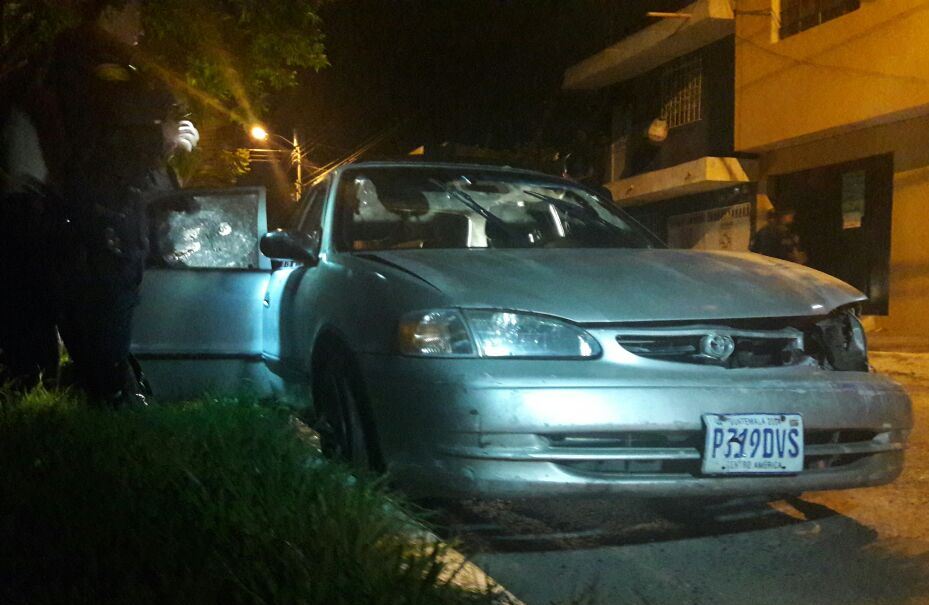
column 131, row 392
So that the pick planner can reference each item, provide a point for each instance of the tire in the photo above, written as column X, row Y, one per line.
column 341, row 420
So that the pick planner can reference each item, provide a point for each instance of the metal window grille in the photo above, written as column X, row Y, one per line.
column 801, row 15
column 682, row 92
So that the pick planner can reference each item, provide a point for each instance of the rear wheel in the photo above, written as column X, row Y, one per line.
column 343, row 427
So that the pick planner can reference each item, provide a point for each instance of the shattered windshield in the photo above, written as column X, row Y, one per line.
column 410, row 208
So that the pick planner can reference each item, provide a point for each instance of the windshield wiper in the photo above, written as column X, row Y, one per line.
column 585, row 210
column 489, row 216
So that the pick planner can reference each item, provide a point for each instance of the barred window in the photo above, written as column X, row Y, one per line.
column 682, row 92
column 801, row 15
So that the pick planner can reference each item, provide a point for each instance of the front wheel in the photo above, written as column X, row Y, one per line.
column 338, row 398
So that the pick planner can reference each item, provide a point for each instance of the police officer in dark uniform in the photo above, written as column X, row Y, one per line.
column 778, row 239
column 105, row 142
column 28, row 333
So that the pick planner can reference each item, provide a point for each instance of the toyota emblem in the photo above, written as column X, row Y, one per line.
column 717, row 346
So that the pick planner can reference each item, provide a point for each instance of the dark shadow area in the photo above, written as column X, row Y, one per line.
column 640, row 551
column 538, row 526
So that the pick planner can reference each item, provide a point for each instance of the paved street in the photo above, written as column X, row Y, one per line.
column 860, row 546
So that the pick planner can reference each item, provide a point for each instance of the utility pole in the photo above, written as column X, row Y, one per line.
column 296, row 158
column 259, row 133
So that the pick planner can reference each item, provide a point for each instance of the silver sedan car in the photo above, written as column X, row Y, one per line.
column 490, row 332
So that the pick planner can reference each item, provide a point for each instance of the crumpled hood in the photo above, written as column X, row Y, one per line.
column 626, row 285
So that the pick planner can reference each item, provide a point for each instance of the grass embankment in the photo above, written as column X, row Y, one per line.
column 215, row 501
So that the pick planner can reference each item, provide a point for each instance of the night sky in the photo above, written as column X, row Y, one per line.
column 477, row 72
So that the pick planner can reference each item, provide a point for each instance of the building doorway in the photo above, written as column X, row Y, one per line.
column 843, row 220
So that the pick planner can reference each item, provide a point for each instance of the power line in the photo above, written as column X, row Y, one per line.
column 324, row 171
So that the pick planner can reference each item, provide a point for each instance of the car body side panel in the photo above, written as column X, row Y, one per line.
column 200, row 330
column 353, row 297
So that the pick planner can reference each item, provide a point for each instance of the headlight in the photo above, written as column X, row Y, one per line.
column 495, row 334
column 435, row 334
column 845, row 342
column 506, row 334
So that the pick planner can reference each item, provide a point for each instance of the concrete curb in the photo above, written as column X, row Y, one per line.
column 462, row 571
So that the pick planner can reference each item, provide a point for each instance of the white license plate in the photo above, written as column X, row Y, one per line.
column 753, row 444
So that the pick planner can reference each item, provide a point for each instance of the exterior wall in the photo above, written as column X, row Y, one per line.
column 908, row 141
column 638, row 101
column 695, row 158
column 850, row 88
column 658, row 217
column 861, row 69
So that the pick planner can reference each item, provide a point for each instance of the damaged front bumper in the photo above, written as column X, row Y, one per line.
column 516, row 429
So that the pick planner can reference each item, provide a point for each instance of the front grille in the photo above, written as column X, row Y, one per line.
column 846, row 436
column 680, row 452
column 634, row 467
column 679, row 439
column 627, row 439
column 748, row 349
column 819, row 463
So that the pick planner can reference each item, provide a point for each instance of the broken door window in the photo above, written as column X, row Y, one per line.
column 207, row 229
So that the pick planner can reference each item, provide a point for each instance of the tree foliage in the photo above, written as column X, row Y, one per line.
column 27, row 28
column 223, row 57
column 230, row 51
column 235, row 50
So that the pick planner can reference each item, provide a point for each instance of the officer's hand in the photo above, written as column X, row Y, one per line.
column 183, row 136
column 187, row 135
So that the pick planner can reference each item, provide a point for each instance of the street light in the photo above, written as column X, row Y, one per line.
column 259, row 133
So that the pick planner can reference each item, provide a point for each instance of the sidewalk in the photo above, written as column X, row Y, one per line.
column 896, row 343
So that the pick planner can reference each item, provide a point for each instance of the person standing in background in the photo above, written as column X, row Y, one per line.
column 106, row 129
column 778, row 239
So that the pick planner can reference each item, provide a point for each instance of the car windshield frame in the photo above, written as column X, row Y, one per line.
column 584, row 212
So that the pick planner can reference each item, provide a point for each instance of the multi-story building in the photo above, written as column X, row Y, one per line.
column 672, row 160
column 831, row 100
column 833, row 97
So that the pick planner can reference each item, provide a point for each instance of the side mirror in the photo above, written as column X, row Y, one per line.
column 290, row 245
